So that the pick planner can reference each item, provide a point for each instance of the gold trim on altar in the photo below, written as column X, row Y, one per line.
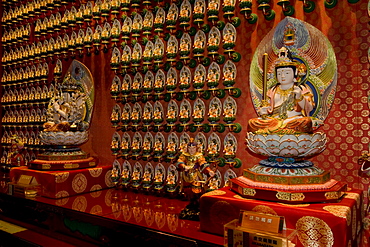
column 249, row 192
column 286, row 196
column 45, row 166
column 71, row 165
column 333, row 195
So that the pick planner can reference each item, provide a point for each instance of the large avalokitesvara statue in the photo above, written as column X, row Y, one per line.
column 69, row 114
column 293, row 78
column 289, row 103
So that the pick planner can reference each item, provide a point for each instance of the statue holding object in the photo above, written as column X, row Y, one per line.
column 286, row 106
column 69, row 114
column 194, row 169
column 15, row 155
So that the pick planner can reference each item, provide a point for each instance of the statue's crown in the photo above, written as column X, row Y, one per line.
column 285, row 59
column 69, row 84
column 192, row 142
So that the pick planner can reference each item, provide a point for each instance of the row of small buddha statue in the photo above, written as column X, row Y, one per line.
column 182, row 113
column 24, row 117
column 29, row 138
column 26, row 73
column 11, row 96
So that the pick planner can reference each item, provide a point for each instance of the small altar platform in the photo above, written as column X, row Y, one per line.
column 336, row 224
column 60, row 184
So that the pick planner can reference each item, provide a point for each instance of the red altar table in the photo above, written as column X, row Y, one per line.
column 318, row 224
column 110, row 217
column 60, row 184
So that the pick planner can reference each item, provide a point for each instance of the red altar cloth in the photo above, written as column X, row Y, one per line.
column 318, row 224
column 59, row 184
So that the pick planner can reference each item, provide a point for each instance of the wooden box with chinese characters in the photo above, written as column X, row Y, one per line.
column 236, row 235
column 26, row 186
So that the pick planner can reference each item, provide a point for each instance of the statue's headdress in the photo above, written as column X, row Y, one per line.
column 69, row 84
column 285, row 59
column 192, row 143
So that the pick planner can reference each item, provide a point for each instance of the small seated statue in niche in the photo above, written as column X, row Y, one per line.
column 193, row 166
column 171, row 184
column 115, row 174
column 125, row 177
column 288, row 105
column 157, row 114
column 158, row 180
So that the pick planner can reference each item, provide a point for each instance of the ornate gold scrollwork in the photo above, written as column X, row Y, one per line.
column 45, row 166
column 70, row 166
column 332, row 195
column 249, row 192
column 286, row 196
column 297, row 197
